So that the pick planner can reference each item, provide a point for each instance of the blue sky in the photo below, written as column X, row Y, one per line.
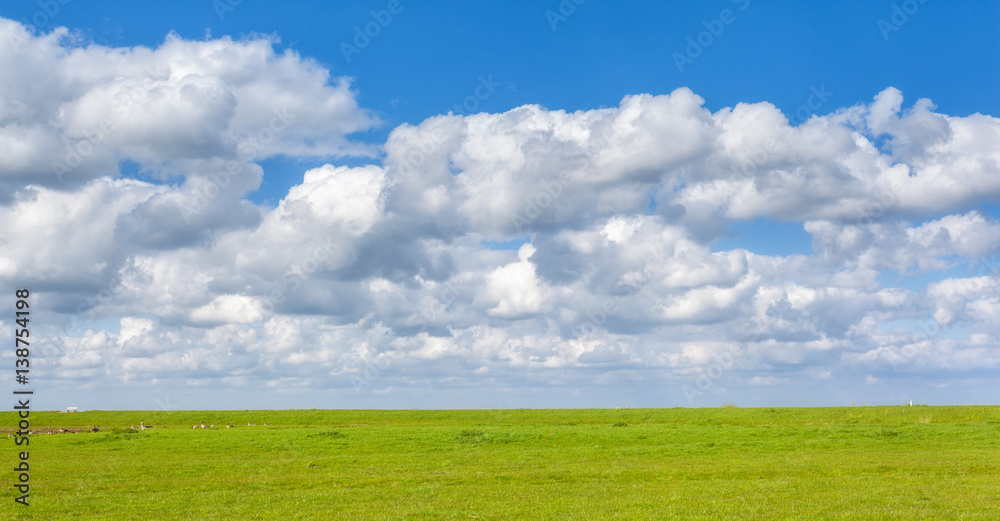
column 805, row 245
column 429, row 56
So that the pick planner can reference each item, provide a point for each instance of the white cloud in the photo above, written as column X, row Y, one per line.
column 229, row 309
column 349, row 198
column 132, row 327
column 382, row 266
column 514, row 289
column 74, row 110
column 933, row 245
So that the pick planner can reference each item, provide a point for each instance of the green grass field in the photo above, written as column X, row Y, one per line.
column 727, row 463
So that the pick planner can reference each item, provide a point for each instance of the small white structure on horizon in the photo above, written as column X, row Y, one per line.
column 71, row 409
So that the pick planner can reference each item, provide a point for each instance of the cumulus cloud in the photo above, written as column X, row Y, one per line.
column 515, row 290
column 74, row 111
column 898, row 245
column 389, row 275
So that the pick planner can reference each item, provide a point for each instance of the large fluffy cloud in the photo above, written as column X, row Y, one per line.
column 388, row 276
column 71, row 112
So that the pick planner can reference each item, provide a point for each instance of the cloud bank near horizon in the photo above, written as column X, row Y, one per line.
column 531, row 249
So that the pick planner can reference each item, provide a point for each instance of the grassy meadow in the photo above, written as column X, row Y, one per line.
column 892, row 462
